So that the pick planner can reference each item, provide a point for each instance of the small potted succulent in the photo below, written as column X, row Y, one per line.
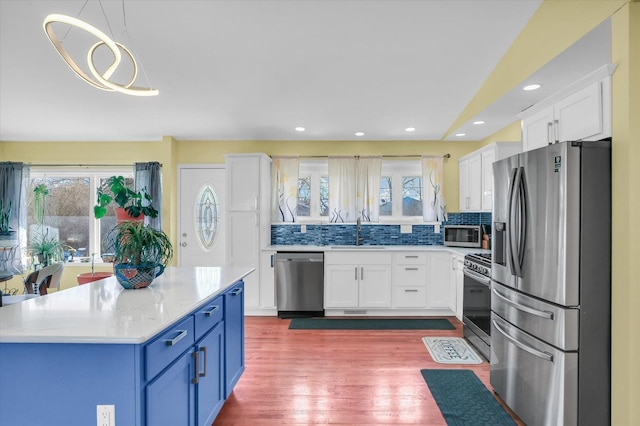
column 140, row 253
column 8, row 237
column 131, row 204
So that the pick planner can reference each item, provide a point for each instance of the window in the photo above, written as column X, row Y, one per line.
column 313, row 190
column 402, row 177
column 68, row 215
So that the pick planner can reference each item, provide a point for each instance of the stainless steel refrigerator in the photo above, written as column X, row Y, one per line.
column 551, row 284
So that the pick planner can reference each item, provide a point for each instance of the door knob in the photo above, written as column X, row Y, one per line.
column 183, row 244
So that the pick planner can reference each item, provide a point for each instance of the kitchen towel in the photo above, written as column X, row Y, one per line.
column 464, row 400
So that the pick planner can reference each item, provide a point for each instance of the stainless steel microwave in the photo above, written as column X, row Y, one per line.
column 463, row 236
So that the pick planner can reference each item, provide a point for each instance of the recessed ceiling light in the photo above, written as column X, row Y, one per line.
column 409, row 129
column 479, row 122
column 359, row 133
column 300, row 129
column 532, row 87
column 461, row 134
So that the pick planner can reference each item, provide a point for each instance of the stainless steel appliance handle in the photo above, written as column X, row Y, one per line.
column 544, row 355
column 476, row 276
column 513, row 225
column 524, row 214
column 523, row 308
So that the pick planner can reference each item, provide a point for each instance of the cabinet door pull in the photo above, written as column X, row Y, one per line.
column 204, row 369
column 236, row 292
column 410, row 269
column 410, row 290
column 196, row 356
column 411, row 257
column 212, row 311
column 180, row 336
column 356, row 276
column 556, row 129
column 549, row 130
column 362, row 273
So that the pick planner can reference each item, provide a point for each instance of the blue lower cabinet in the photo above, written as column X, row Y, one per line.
column 170, row 398
column 234, row 336
column 210, row 383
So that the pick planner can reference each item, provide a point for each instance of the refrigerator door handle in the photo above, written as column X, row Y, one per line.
column 514, row 223
column 524, row 214
column 523, row 308
column 540, row 354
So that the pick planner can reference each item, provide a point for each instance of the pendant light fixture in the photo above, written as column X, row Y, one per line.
column 99, row 80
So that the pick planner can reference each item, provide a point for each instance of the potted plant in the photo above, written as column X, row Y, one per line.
column 140, row 252
column 45, row 246
column 136, row 204
column 8, row 238
column 88, row 277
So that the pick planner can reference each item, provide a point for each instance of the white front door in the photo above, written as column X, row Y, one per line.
column 201, row 215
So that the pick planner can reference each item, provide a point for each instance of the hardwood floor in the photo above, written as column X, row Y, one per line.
column 309, row 377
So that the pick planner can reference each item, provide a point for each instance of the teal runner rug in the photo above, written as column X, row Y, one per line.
column 370, row 324
column 464, row 400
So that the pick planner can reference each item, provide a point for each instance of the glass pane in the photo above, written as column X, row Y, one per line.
column 386, row 204
column 63, row 230
column 207, row 217
column 412, row 196
column 324, row 195
column 304, row 196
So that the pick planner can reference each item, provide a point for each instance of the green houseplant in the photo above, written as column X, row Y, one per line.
column 135, row 203
column 140, row 252
column 45, row 246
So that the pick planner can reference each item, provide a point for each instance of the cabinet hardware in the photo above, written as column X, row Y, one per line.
column 410, row 290
column 236, row 292
column 549, row 129
column 204, row 367
column 410, row 269
column 196, row 356
column 356, row 276
column 180, row 336
column 411, row 257
column 362, row 273
column 556, row 130
column 212, row 311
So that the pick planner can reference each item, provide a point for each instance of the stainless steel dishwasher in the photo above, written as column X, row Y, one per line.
column 299, row 284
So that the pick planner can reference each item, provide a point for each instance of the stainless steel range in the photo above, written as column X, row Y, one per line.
column 476, row 305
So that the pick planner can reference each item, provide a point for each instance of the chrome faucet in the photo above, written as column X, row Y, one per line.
column 358, row 229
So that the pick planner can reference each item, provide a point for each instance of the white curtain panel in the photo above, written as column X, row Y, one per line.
column 284, row 178
column 342, row 189
column 434, row 206
column 368, row 173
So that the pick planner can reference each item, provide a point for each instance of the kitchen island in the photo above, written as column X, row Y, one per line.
column 167, row 354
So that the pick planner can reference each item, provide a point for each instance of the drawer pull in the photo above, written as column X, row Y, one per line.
column 410, row 290
column 196, row 357
column 411, row 257
column 180, row 336
column 410, row 269
column 212, row 311
column 236, row 292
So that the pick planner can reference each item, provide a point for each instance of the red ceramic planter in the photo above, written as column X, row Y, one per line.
column 88, row 277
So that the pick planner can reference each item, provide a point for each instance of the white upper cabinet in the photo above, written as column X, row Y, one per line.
column 476, row 175
column 581, row 111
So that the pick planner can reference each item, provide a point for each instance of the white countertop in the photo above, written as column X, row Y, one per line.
column 104, row 312
column 364, row 248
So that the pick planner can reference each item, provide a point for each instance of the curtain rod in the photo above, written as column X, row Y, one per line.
column 349, row 156
column 81, row 165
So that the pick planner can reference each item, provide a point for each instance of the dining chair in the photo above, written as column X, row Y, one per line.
column 48, row 277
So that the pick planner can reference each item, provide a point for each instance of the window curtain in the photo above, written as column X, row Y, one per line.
column 148, row 177
column 368, row 173
column 284, row 199
column 434, row 206
column 342, row 190
column 14, row 181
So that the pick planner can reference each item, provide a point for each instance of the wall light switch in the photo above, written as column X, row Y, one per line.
column 406, row 229
column 303, row 229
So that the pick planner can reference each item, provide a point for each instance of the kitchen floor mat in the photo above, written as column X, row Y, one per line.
column 370, row 324
column 464, row 400
column 451, row 350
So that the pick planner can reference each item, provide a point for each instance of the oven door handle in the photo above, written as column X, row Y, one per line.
column 544, row 355
column 523, row 308
column 476, row 276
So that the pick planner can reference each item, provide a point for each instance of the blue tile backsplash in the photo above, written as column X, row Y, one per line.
column 336, row 234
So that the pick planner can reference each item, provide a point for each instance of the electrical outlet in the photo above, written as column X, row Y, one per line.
column 406, row 229
column 106, row 415
column 436, row 228
column 303, row 229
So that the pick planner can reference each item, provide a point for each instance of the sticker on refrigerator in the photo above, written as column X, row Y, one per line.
column 557, row 163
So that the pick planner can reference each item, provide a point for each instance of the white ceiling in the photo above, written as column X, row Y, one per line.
column 254, row 70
